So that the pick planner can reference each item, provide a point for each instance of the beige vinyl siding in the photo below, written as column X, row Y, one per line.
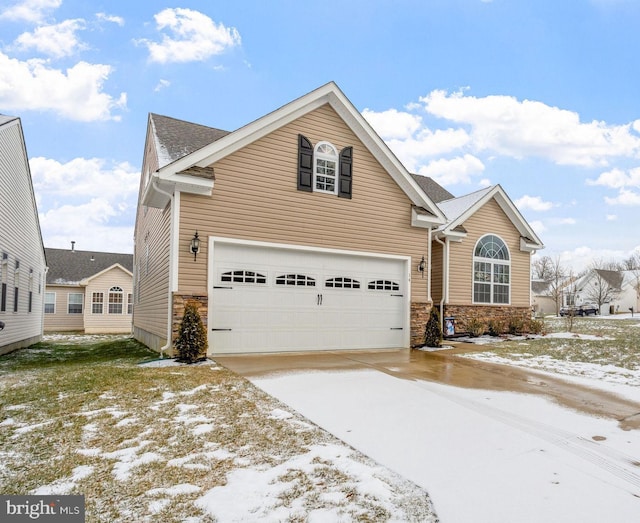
column 61, row 320
column 151, row 276
column 436, row 272
column 490, row 219
column 20, row 239
column 106, row 322
column 255, row 197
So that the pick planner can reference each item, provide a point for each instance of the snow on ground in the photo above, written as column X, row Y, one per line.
column 483, row 456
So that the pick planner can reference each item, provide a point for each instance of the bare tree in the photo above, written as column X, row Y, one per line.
column 632, row 263
column 552, row 271
column 604, row 285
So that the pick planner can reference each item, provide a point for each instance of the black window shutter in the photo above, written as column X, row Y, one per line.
column 305, row 164
column 345, row 182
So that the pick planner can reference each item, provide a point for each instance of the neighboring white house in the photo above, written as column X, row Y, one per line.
column 22, row 258
column 614, row 291
column 91, row 292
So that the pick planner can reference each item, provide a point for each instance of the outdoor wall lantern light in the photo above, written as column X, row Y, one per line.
column 195, row 245
column 421, row 266
column 1, row 325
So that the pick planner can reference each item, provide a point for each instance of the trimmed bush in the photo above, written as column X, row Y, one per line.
column 433, row 330
column 191, row 344
column 475, row 327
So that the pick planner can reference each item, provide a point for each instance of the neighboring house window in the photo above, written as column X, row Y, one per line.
column 30, row 289
column 3, row 279
column 325, row 168
column 97, row 301
column 75, row 303
column 16, row 284
column 115, row 300
column 49, row 302
column 491, row 271
column 129, row 303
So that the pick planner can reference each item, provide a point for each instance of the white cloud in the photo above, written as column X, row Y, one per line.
column 625, row 197
column 75, row 93
column 88, row 200
column 535, row 203
column 567, row 221
column 393, row 124
column 161, row 85
column 617, row 178
column 611, row 217
column 30, row 10
column 193, row 36
column 453, row 171
column 54, row 40
column 506, row 126
column 110, row 18
column 88, row 225
column 538, row 226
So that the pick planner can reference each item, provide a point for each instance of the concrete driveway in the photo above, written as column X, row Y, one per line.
column 447, row 368
column 489, row 443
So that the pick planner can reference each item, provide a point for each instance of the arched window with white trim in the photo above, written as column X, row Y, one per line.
column 491, row 271
column 325, row 168
column 116, row 295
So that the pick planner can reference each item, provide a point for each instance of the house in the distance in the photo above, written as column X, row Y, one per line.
column 303, row 231
column 88, row 291
column 611, row 290
column 22, row 258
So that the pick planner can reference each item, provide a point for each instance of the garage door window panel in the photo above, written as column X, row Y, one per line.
column 243, row 276
column 383, row 285
column 296, row 280
column 341, row 282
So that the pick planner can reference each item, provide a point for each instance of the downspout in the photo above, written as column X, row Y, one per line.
column 429, row 298
column 167, row 345
column 445, row 276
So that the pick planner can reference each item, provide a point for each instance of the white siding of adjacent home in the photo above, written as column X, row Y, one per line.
column 21, row 240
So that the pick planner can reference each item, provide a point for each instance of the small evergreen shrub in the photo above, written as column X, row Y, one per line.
column 516, row 325
column 497, row 327
column 536, row 326
column 475, row 327
column 433, row 330
column 191, row 343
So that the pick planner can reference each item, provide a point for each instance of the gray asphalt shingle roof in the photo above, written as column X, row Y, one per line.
column 177, row 138
column 69, row 267
column 432, row 189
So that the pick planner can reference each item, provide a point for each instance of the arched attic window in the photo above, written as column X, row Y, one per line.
column 325, row 168
column 491, row 271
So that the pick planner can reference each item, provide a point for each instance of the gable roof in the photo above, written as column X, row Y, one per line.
column 177, row 138
column 70, row 267
column 171, row 175
column 458, row 210
column 432, row 189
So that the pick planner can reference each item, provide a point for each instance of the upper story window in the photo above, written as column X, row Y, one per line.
column 491, row 271
column 325, row 167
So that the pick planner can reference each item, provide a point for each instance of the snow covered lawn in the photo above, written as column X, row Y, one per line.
column 166, row 442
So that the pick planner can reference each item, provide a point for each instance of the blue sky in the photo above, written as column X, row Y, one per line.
column 540, row 96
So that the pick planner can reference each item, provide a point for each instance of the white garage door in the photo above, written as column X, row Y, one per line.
column 266, row 298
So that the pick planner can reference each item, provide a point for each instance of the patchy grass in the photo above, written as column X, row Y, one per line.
column 599, row 347
column 173, row 443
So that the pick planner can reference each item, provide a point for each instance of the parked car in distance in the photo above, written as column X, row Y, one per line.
column 580, row 310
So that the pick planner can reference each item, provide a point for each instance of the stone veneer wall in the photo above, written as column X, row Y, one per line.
column 484, row 313
column 179, row 301
column 419, row 317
